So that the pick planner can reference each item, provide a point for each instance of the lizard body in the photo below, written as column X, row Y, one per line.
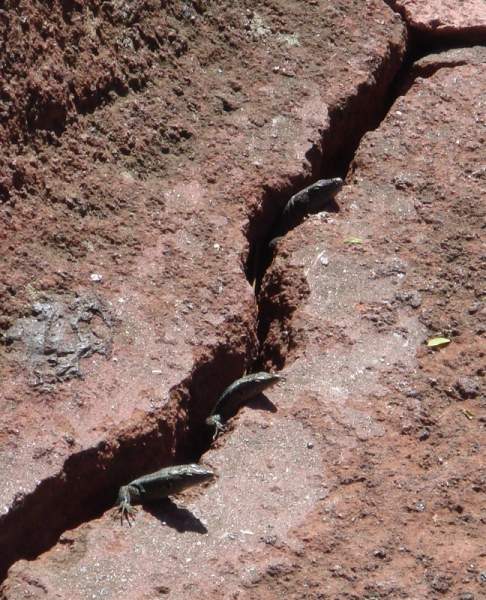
column 158, row 485
column 236, row 394
column 310, row 200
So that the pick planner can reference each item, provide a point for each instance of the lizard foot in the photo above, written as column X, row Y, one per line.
column 218, row 428
column 127, row 511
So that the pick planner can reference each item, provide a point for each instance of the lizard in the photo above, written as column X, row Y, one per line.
column 237, row 393
column 312, row 199
column 158, row 485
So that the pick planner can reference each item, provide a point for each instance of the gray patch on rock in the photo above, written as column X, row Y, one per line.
column 390, row 267
column 412, row 298
column 57, row 335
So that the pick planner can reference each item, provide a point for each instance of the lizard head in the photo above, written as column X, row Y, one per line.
column 262, row 380
column 198, row 473
column 322, row 191
column 329, row 186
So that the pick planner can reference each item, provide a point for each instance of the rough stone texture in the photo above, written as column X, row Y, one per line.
column 401, row 262
column 456, row 57
column 465, row 20
column 138, row 139
column 361, row 476
column 205, row 543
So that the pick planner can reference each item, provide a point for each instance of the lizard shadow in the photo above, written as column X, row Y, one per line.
column 172, row 515
column 262, row 402
column 331, row 207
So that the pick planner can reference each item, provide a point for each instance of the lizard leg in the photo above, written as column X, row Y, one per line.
column 127, row 511
column 215, row 421
column 218, row 428
column 125, row 497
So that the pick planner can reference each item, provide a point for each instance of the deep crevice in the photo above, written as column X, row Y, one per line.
column 349, row 121
column 87, row 485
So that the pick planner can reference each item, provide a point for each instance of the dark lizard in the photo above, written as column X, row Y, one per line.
column 236, row 394
column 158, row 485
column 312, row 199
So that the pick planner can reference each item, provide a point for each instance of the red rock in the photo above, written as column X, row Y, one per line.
column 138, row 143
column 311, row 487
column 466, row 19
column 140, row 175
column 414, row 196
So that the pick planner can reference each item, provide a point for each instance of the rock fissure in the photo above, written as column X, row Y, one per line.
column 429, row 29
column 275, row 309
column 108, row 466
column 88, row 484
column 89, row 480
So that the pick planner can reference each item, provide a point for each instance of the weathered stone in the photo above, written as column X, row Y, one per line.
column 320, row 466
column 121, row 160
column 465, row 20
column 467, row 387
column 414, row 200
column 456, row 57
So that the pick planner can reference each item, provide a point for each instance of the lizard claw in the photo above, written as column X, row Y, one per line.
column 126, row 511
column 218, row 428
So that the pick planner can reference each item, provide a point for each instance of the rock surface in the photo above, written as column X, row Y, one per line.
column 364, row 289
column 362, row 475
column 140, row 142
column 456, row 57
column 465, row 20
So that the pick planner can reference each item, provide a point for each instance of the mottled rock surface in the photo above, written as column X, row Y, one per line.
column 465, row 20
column 449, row 59
column 365, row 288
column 360, row 476
column 138, row 141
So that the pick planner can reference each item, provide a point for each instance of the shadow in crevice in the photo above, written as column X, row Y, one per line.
column 434, row 38
column 260, row 402
column 171, row 515
column 280, row 291
column 162, row 438
column 445, row 56
column 262, row 250
column 275, row 309
column 350, row 117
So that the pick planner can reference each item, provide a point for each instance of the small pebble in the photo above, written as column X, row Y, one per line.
column 310, row 445
column 415, row 299
column 96, row 277
column 467, row 387
column 441, row 583
column 423, row 435
column 473, row 309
